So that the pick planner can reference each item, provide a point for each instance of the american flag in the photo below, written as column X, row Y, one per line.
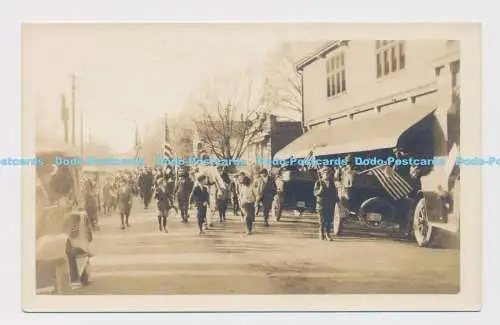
column 168, row 151
column 395, row 185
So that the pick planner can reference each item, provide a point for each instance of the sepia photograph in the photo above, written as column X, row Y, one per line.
column 206, row 166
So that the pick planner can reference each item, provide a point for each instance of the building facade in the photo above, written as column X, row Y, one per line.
column 273, row 136
column 365, row 95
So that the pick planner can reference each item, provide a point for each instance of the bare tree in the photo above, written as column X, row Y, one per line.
column 229, row 115
column 283, row 85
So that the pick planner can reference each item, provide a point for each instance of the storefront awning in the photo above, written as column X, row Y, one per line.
column 377, row 131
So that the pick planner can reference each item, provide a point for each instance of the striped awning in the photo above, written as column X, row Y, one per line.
column 372, row 132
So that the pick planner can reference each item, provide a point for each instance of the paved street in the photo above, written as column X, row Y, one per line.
column 286, row 258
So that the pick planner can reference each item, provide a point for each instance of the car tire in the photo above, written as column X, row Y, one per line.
column 423, row 232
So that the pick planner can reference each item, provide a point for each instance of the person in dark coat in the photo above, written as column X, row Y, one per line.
column 164, row 204
column 234, row 196
column 183, row 188
column 146, row 187
column 124, row 202
column 266, row 187
column 90, row 202
column 326, row 198
column 200, row 197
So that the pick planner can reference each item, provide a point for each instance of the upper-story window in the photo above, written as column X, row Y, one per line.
column 391, row 57
column 335, row 75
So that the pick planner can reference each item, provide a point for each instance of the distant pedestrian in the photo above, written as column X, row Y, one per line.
column 201, row 199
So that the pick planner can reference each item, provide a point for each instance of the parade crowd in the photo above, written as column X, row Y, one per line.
column 178, row 189
column 211, row 193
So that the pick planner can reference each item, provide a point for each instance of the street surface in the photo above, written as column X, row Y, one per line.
column 286, row 258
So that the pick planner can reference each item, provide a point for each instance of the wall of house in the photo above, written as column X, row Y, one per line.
column 283, row 134
column 362, row 84
column 274, row 136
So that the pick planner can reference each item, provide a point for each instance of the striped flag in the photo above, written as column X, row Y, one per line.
column 168, row 151
column 395, row 185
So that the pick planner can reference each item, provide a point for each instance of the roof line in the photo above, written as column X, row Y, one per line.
column 321, row 52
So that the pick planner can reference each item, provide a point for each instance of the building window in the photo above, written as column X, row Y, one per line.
column 391, row 57
column 335, row 75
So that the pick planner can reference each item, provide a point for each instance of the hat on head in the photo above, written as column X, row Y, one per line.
column 324, row 170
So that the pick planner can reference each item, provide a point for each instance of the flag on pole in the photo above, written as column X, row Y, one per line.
column 137, row 144
column 168, row 151
column 395, row 185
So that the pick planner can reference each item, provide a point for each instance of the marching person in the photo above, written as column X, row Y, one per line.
column 238, row 184
column 266, row 188
column 248, row 197
column 326, row 198
column 146, row 187
column 108, row 196
column 201, row 199
column 223, row 195
column 183, row 188
column 234, row 195
column 163, row 197
column 90, row 202
column 124, row 202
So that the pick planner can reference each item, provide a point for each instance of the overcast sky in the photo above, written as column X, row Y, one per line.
column 127, row 72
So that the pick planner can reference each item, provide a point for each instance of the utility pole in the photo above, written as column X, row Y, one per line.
column 73, row 110
column 65, row 118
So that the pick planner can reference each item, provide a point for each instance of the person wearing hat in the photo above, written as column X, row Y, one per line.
column 201, row 198
column 279, row 197
column 164, row 204
column 183, row 188
column 124, row 202
column 248, row 197
column 326, row 198
column 146, row 181
column 266, row 188
column 223, row 194
column 235, row 203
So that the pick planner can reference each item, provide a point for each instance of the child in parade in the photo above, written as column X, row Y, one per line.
column 201, row 199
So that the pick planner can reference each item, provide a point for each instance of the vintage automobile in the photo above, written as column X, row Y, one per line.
column 365, row 205
column 298, row 190
column 63, row 231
